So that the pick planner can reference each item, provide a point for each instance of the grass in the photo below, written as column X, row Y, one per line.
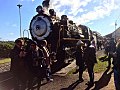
column 2, row 61
column 100, row 66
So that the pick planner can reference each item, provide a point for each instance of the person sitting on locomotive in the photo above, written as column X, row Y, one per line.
column 39, row 9
column 52, row 15
column 52, row 12
column 47, row 59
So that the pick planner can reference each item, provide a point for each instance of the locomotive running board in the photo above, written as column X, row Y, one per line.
column 73, row 39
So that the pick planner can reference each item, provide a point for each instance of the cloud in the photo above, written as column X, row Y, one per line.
column 11, row 34
column 99, row 11
column 14, row 25
column 9, row 24
column 84, row 11
column 112, row 24
column 72, row 7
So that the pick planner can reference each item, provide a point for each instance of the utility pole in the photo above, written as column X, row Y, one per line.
column 115, row 29
column 19, row 6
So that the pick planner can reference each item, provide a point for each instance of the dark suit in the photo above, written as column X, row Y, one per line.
column 90, row 60
column 79, row 61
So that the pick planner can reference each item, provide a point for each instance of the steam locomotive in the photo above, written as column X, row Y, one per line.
column 61, row 34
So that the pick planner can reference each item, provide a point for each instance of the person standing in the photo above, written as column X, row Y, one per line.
column 90, row 59
column 100, row 43
column 79, row 59
column 116, row 68
column 17, row 68
column 47, row 59
column 35, row 65
column 111, row 51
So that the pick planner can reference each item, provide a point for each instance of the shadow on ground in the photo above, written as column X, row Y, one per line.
column 72, row 86
column 104, row 80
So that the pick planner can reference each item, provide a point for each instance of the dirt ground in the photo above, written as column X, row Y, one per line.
column 103, row 81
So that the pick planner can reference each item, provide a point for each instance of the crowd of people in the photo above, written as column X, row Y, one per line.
column 30, row 64
column 86, row 58
column 36, row 62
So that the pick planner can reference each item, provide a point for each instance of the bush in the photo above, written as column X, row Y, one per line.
column 5, row 48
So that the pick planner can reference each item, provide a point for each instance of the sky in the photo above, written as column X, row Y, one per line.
column 98, row 15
